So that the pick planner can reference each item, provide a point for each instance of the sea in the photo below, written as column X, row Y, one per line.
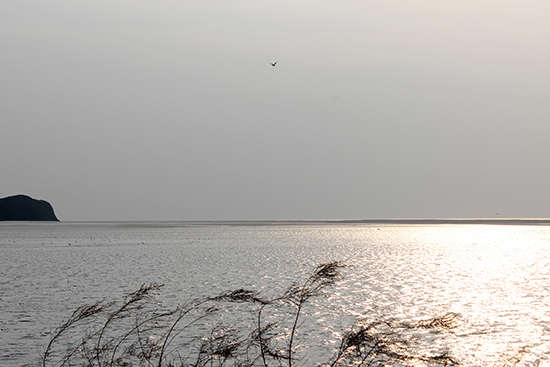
column 493, row 275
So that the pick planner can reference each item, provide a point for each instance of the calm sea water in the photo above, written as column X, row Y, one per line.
column 495, row 276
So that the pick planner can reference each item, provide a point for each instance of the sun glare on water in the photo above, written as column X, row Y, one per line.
column 494, row 276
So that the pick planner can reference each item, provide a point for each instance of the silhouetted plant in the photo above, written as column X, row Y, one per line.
column 384, row 342
column 133, row 333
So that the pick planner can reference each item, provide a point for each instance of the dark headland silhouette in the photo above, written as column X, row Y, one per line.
column 23, row 208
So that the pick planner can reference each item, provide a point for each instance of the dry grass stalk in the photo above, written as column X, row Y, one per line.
column 133, row 333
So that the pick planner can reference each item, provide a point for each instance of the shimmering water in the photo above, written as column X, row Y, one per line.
column 495, row 276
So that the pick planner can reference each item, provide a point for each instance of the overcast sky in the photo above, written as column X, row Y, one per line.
column 170, row 109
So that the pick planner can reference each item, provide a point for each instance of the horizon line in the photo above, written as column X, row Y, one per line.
column 366, row 221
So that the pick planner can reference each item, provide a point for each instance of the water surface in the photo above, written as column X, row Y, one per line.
column 494, row 276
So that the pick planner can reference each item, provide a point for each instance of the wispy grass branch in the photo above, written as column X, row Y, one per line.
column 133, row 333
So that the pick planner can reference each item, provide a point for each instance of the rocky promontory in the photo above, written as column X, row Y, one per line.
column 23, row 208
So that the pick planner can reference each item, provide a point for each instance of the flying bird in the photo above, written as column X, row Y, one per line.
column 274, row 63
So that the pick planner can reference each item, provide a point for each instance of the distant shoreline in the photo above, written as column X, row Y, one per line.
column 353, row 222
column 293, row 223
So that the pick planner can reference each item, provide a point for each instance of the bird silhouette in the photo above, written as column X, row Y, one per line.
column 274, row 63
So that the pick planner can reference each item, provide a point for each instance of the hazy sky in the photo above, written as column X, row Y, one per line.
column 170, row 109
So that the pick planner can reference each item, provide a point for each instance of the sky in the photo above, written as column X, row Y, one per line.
column 171, row 110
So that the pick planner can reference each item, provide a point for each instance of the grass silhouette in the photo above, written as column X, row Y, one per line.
column 135, row 333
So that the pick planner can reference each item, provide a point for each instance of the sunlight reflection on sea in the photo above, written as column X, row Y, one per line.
column 494, row 276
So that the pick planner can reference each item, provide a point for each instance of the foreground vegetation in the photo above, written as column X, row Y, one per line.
column 135, row 333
